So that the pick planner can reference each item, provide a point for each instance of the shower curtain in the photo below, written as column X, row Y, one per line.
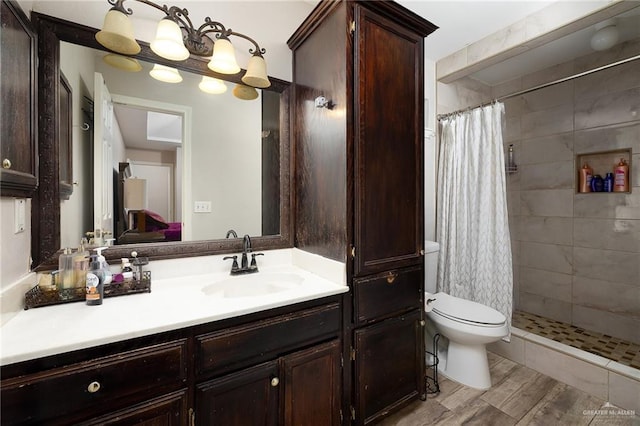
column 472, row 222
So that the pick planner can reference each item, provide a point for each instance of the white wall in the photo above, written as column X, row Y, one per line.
column 430, row 151
column 75, row 213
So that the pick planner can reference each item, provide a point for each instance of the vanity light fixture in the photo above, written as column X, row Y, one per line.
column 177, row 38
column 165, row 74
column 215, row 86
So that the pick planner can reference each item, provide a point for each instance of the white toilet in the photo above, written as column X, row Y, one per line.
column 468, row 326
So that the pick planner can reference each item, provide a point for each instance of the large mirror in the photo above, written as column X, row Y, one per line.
column 227, row 169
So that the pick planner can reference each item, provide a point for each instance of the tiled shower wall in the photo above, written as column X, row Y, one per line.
column 576, row 256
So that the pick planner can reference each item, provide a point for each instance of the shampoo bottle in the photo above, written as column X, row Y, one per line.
column 95, row 282
column 127, row 270
column 586, row 173
column 621, row 177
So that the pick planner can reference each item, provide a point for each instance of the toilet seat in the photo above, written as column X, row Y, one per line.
column 466, row 311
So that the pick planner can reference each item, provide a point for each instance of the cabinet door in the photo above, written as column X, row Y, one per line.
column 388, row 135
column 169, row 410
column 312, row 386
column 248, row 397
column 389, row 366
column 18, row 175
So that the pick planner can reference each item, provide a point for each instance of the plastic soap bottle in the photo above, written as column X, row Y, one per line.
column 95, row 282
column 105, row 266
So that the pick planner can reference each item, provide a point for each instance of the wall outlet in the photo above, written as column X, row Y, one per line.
column 202, row 207
column 19, row 216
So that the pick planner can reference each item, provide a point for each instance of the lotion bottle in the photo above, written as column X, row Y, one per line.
column 621, row 177
column 586, row 173
column 95, row 282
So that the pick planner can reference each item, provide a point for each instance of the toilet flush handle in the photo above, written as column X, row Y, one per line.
column 430, row 301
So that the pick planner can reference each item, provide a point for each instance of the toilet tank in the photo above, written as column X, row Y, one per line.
column 431, row 250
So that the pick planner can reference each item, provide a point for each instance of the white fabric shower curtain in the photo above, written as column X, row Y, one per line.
column 472, row 223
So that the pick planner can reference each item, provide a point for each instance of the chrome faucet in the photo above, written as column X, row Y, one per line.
column 245, row 267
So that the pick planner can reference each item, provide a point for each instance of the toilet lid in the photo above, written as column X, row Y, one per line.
column 466, row 310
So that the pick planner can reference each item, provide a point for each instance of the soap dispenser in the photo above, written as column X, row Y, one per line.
column 105, row 266
column 95, row 282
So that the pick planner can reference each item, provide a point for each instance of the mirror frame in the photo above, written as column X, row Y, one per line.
column 45, row 213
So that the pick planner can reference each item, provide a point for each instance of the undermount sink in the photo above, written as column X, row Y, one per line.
column 254, row 285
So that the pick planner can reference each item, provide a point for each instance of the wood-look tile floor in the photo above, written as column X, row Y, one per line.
column 519, row 396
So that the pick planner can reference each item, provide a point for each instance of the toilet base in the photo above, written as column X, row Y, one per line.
column 468, row 365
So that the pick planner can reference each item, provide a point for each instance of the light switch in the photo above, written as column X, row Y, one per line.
column 19, row 217
column 202, row 207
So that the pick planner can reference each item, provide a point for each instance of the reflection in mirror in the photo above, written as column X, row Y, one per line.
column 218, row 171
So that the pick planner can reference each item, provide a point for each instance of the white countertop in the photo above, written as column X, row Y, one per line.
column 174, row 302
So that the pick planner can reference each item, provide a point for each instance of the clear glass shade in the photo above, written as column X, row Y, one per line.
column 117, row 34
column 165, row 74
column 212, row 85
column 168, row 42
column 256, row 74
column 223, row 59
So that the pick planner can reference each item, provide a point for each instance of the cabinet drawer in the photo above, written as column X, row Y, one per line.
column 240, row 346
column 387, row 294
column 125, row 378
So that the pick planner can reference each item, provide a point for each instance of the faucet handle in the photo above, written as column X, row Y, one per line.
column 234, row 265
column 253, row 259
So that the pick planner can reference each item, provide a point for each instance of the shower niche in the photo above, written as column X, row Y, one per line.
column 601, row 163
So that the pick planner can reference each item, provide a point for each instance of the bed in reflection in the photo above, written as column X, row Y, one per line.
column 134, row 222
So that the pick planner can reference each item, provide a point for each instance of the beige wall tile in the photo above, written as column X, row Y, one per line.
column 557, row 175
column 497, row 42
column 549, row 121
column 618, row 52
column 608, row 138
column 622, row 326
column 547, row 284
column 611, row 108
column 549, row 257
column 607, row 296
column 580, row 374
column 551, row 202
column 609, row 265
column 547, row 75
column 552, row 96
column 545, row 306
column 550, row 230
column 611, row 234
column 546, row 149
column 610, row 205
column 612, row 80
column 624, row 392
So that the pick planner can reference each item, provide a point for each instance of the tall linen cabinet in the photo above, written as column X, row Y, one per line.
column 358, row 123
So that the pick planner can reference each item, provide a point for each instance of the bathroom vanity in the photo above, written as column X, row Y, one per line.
column 214, row 360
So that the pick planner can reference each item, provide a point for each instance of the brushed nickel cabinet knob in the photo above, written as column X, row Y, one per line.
column 6, row 163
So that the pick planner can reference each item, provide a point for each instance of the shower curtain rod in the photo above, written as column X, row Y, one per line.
column 542, row 86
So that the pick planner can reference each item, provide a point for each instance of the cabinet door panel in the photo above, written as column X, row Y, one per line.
column 248, row 397
column 312, row 386
column 389, row 366
column 388, row 144
column 18, row 151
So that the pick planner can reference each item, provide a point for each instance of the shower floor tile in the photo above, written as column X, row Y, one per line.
column 619, row 350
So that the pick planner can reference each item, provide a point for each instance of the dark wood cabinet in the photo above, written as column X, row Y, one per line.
column 389, row 361
column 301, row 388
column 18, row 121
column 359, row 185
column 277, row 367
